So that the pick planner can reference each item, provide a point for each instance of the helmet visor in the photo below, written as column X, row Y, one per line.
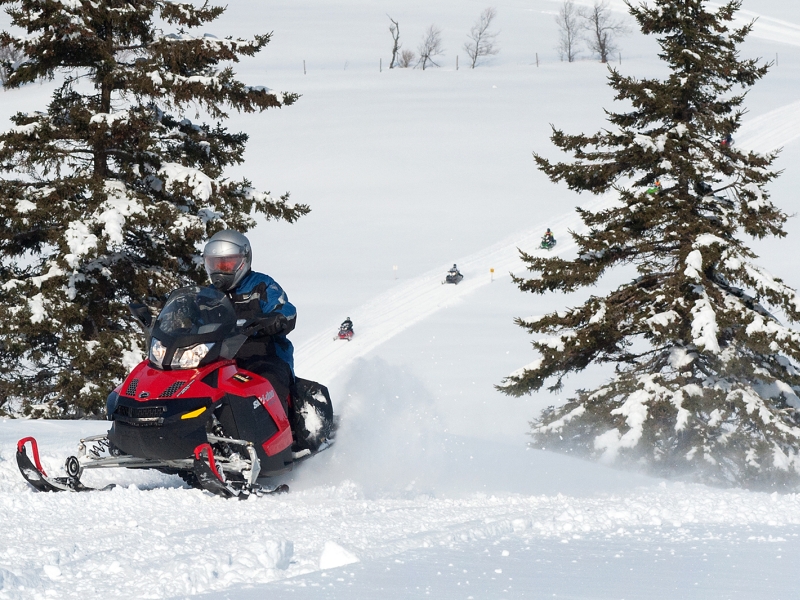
column 223, row 264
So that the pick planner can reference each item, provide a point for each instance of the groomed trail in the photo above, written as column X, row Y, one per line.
column 412, row 301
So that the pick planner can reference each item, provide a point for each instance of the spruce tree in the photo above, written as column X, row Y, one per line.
column 107, row 193
column 705, row 383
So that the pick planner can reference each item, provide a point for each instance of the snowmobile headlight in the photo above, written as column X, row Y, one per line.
column 189, row 358
column 157, row 352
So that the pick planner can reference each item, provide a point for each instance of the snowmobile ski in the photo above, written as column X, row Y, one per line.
column 211, row 478
column 34, row 474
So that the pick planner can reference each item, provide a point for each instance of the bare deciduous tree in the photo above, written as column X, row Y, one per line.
column 601, row 29
column 482, row 40
column 569, row 26
column 10, row 58
column 406, row 58
column 394, row 29
column 431, row 47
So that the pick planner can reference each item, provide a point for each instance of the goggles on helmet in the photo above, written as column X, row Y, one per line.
column 223, row 264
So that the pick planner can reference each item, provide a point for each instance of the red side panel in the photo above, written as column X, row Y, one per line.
column 282, row 439
column 244, row 383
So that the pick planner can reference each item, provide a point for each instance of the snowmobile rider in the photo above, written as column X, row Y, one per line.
column 655, row 188
column 548, row 237
column 257, row 298
column 727, row 141
column 347, row 325
column 454, row 271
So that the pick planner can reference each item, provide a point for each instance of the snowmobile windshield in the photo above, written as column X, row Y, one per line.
column 196, row 311
column 194, row 321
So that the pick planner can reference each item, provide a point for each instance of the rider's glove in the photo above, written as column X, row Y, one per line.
column 274, row 323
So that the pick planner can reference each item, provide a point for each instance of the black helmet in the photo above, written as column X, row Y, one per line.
column 227, row 257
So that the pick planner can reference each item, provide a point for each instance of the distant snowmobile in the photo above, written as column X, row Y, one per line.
column 548, row 241
column 727, row 141
column 188, row 409
column 655, row 188
column 454, row 276
column 345, row 330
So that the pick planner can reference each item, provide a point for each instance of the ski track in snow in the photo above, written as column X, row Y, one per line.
column 376, row 322
column 769, row 28
column 771, row 131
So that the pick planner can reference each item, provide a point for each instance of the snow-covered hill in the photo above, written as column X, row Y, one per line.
column 430, row 485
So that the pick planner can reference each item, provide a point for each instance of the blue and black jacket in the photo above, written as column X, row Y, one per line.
column 258, row 295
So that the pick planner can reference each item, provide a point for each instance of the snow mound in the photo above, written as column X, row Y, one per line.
column 333, row 556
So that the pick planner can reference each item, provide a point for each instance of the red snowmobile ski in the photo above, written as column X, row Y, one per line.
column 189, row 410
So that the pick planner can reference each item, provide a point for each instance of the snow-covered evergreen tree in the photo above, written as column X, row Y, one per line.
column 706, row 384
column 107, row 192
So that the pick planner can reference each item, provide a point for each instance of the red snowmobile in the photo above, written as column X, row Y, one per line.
column 189, row 410
column 345, row 331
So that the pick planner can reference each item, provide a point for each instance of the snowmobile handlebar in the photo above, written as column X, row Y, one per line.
column 141, row 314
column 271, row 324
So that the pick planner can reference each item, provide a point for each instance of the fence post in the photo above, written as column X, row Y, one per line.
column 304, row 67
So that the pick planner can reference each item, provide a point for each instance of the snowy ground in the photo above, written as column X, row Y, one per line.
column 430, row 486
column 607, row 535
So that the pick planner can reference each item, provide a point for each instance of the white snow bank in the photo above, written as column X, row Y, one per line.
column 333, row 555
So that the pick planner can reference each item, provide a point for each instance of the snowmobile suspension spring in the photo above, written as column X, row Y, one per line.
column 98, row 447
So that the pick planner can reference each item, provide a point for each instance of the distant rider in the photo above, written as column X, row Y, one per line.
column 454, row 271
column 655, row 188
column 548, row 237
column 346, row 326
column 727, row 141
column 257, row 298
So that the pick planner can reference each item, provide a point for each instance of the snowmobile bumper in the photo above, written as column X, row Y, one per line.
column 159, row 430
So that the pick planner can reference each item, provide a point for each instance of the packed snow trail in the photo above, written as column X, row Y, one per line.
column 769, row 28
column 413, row 301
column 773, row 130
